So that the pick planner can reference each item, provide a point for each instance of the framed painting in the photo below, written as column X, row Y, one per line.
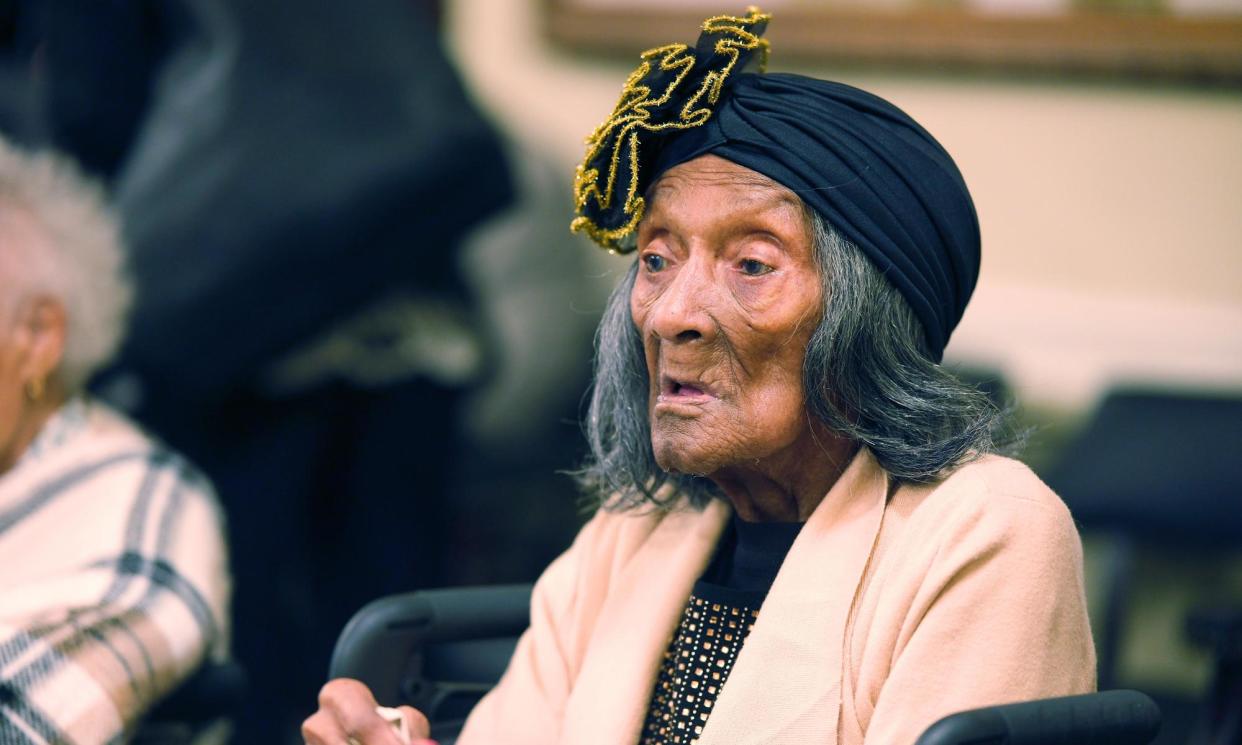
column 1172, row 40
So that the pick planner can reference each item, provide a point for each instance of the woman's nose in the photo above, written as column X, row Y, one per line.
column 681, row 313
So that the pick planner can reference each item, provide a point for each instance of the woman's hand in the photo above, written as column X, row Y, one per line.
column 347, row 715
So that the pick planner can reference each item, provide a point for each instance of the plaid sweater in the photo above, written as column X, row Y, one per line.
column 113, row 579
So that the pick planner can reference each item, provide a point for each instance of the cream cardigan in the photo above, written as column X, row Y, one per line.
column 889, row 612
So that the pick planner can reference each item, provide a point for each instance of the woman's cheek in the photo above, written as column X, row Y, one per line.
column 637, row 304
column 641, row 299
column 757, row 294
column 784, row 313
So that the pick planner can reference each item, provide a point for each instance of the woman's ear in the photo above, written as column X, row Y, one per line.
column 45, row 323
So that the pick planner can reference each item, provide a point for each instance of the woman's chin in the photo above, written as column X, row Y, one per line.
column 683, row 455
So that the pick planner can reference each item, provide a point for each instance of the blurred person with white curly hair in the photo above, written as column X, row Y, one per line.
column 113, row 570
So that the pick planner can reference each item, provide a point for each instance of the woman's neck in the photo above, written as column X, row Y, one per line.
column 788, row 486
column 30, row 421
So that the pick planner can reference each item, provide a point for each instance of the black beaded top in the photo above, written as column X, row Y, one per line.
column 721, row 610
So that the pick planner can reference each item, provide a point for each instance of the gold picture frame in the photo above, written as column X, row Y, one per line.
column 1090, row 38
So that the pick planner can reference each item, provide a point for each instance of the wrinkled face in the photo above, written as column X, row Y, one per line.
column 726, row 299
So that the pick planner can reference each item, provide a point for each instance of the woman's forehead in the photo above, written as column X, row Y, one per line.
column 744, row 186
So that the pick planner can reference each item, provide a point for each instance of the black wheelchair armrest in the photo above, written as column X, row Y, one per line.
column 436, row 650
column 1106, row 718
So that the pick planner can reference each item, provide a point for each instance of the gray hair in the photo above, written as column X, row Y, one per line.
column 81, row 264
column 867, row 375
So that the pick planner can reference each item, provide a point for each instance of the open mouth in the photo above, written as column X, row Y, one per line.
column 689, row 391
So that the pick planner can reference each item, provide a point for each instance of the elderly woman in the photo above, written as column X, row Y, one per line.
column 807, row 535
column 113, row 582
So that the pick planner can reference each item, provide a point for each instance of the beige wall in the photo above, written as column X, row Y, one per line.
column 1111, row 215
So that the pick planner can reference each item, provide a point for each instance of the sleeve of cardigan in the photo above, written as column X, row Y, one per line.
column 999, row 616
column 527, row 705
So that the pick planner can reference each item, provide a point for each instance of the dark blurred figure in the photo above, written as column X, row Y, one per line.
column 79, row 74
column 294, row 178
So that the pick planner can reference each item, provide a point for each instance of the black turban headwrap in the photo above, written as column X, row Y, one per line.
column 868, row 169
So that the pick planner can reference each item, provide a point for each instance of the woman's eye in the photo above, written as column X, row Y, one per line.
column 753, row 267
column 653, row 262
